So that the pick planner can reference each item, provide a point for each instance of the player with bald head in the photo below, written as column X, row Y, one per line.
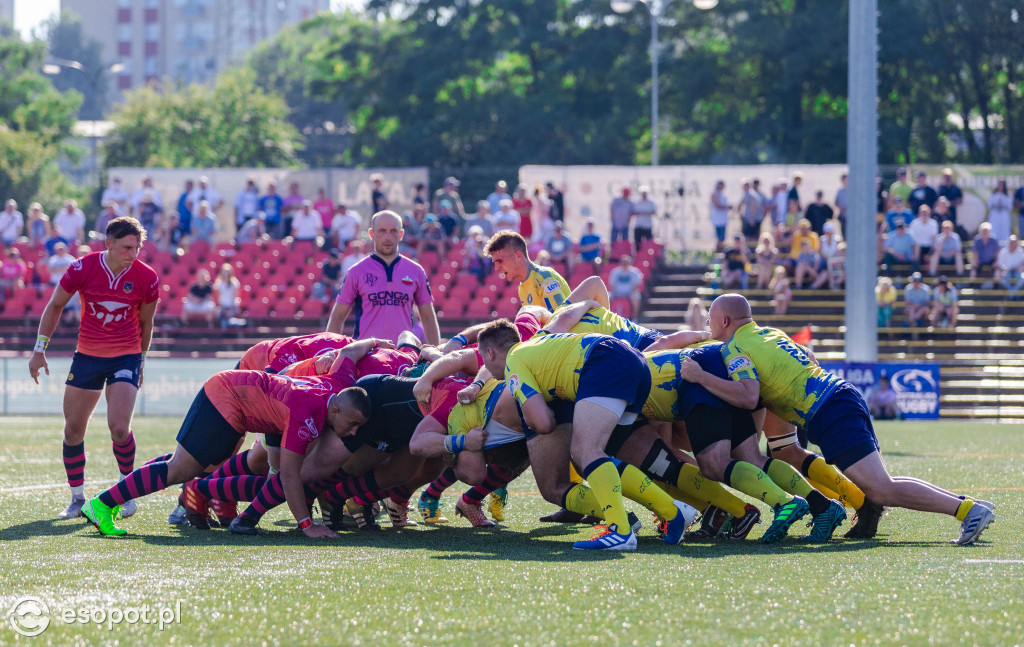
column 381, row 289
column 765, row 363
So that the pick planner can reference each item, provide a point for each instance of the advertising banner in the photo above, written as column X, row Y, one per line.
column 916, row 385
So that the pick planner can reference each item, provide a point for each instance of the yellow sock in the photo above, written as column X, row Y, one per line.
column 574, row 476
column 603, row 477
column 579, row 498
column 787, row 478
column 965, row 507
column 679, row 495
column 697, row 486
column 832, row 494
column 639, row 487
column 833, row 479
column 754, row 483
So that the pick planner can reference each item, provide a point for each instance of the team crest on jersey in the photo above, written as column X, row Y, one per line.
column 128, row 285
column 513, row 382
column 407, row 280
column 308, row 430
column 738, row 364
column 370, row 279
column 552, row 286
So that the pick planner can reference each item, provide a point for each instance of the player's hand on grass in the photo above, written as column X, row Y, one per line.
column 691, row 371
column 316, row 531
column 475, row 439
column 36, row 362
column 468, row 394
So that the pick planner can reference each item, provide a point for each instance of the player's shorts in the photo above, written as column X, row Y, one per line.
column 842, row 428
column 614, row 369
column 394, row 416
column 647, row 338
column 206, row 435
column 707, row 425
column 91, row 373
column 709, row 358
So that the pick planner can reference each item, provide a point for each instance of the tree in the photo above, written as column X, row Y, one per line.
column 234, row 123
column 35, row 118
column 66, row 41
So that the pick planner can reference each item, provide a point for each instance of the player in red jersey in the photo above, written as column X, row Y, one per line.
column 273, row 355
column 119, row 294
column 231, row 403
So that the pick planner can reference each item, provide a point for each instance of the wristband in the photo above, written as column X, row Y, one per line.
column 477, row 383
column 461, row 339
column 305, row 523
column 42, row 341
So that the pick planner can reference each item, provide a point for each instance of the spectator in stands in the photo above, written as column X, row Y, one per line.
column 307, row 225
column 476, row 262
column 346, row 225
column 779, row 203
column 290, row 205
column 765, row 254
column 720, row 208
column 325, row 207
column 204, row 228
column 170, row 238
column 984, row 253
column 136, row 199
column 199, row 300
column 253, row 230
column 59, row 262
column 896, row 211
column 12, row 273
column 945, row 306
column 247, row 203
column 500, row 193
column 378, row 198
column 415, row 224
column 644, row 211
column 591, row 247
column 818, row 213
column 150, row 215
column 882, row 401
column 999, row 205
column 506, row 218
column 922, row 194
column 829, row 242
column 621, row 211
column 810, row 268
column 449, row 192
column 355, row 252
column 185, row 210
column 68, row 226
column 943, row 212
column 836, row 268
column 560, row 247
column 481, row 219
column 949, row 190
column 1009, row 266
column 1018, row 205
column 419, row 194
column 450, row 221
column 273, row 205
column 557, row 198
column 228, row 289
column 115, row 193
column 696, row 315
column 39, row 230
column 923, row 229
column 432, row 238
column 12, row 223
column 99, row 232
column 541, row 215
column 885, row 297
column 882, row 196
column 781, row 294
column 918, row 298
column 901, row 188
column 803, row 232
column 843, row 201
column 794, row 191
column 751, row 209
column 205, row 192
column 736, row 264
column 900, row 248
column 948, row 250
column 326, row 288
column 624, row 282
column 524, row 205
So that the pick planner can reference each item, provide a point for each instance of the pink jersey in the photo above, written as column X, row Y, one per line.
column 527, row 324
column 382, row 296
column 444, row 397
column 387, row 361
column 296, row 349
column 295, row 408
column 110, row 304
column 258, row 357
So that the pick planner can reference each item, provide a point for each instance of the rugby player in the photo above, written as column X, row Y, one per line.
column 119, row 294
column 382, row 288
column 538, row 285
column 766, row 363
column 608, row 381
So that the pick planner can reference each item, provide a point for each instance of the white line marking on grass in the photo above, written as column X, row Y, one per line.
column 32, row 488
column 994, row 561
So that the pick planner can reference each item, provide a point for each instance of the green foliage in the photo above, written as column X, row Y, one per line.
column 35, row 119
column 234, row 123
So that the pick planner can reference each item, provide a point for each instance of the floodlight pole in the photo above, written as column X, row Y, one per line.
column 861, row 337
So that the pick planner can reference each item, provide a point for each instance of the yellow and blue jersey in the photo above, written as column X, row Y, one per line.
column 792, row 386
column 603, row 321
column 671, row 396
column 543, row 287
column 475, row 414
column 548, row 365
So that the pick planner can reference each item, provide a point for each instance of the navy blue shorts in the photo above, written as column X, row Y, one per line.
column 842, row 428
column 206, row 435
column 614, row 369
column 92, row 373
column 647, row 338
column 709, row 358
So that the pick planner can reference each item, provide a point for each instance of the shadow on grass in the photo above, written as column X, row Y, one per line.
column 42, row 528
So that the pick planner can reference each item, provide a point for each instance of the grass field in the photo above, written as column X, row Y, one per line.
column 520, row 585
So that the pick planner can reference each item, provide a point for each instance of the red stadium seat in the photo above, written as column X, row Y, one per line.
column 621, row 248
